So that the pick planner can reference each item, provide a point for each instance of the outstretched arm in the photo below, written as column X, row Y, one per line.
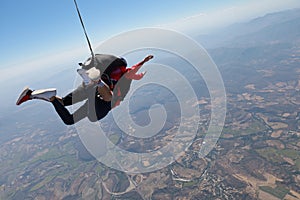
column 131, row 74
column 146, row 59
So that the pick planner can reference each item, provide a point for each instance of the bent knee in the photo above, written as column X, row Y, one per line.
column 68, row 122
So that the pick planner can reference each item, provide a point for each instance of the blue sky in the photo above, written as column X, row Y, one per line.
column 37, row 33
column 33, row 28
column 42, row 38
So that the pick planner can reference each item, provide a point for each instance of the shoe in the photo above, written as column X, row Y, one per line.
column 44, row 94
column 24, row 96
column 84, row 76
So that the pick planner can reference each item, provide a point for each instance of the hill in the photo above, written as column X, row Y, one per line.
column 271, row 28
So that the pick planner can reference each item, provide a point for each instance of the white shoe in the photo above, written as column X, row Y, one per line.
column 44, row 94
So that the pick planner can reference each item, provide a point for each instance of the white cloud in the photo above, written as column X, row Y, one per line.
column 206, row 22
column 42, row 65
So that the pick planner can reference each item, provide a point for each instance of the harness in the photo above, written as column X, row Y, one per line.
column 111, row 77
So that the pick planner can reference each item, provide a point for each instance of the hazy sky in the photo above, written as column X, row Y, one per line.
column 36, row 34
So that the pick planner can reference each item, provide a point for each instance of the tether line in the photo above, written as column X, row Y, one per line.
column 82, row 24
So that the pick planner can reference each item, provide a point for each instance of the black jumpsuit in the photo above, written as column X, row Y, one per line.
column 94, row 107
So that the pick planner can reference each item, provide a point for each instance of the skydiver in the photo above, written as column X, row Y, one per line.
column 106, row 81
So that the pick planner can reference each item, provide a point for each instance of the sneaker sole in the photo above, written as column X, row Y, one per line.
column 22, row 95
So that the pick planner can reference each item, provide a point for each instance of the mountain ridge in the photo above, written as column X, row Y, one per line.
column 234, row 34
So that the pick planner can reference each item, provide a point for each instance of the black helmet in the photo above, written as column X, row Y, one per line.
column 123, row 61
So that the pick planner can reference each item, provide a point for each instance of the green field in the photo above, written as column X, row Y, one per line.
column 277, row 155
column 254, row 126
column 279, row 192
